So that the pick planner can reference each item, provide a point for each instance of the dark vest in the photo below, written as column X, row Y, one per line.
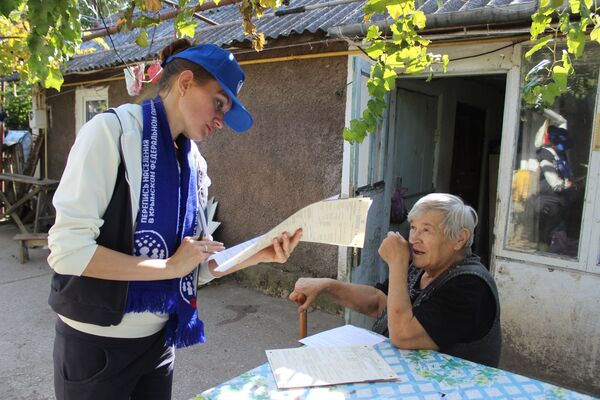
column 483, row 351
column 100, row 301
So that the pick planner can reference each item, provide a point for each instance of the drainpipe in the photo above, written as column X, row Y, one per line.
column 481, row 16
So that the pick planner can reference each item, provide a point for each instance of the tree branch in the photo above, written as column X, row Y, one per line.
column 163, row 16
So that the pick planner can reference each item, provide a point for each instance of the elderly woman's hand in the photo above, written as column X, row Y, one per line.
column 306, row 291
column 394, row 250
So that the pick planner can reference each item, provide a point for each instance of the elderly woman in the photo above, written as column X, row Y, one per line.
column 445, row 300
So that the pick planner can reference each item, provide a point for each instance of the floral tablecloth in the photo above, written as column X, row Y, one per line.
column 423, row 374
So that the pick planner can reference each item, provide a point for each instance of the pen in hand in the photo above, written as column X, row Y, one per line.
column 206, row 247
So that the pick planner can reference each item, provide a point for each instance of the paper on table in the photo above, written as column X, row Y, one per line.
column 322, row 366
column 339, row 222
column 343, row 336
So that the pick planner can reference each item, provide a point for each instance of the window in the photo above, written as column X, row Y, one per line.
column 553, row 162
column 89, row 102
column 93, row 107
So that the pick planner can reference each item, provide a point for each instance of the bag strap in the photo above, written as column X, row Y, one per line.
column 117, row 231
column 122, row 164
column 113, row 111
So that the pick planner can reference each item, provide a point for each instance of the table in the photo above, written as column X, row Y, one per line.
column 29, row 188
column 424, row 374
column 25, row 188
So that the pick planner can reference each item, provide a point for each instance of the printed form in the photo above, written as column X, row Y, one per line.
column 340, row 222
column 323, row 366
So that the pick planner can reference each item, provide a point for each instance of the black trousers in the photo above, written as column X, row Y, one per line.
column 550, row 209
column 89, row 367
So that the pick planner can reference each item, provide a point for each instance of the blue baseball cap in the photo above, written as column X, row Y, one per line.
column 223, row 66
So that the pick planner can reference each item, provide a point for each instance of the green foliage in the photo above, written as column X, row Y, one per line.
column 185, row 24
column 255, row 8
column 406, row 52
column 17, row 106
column 52, row 32
column 6, row 6
column 39, row 36
column 551, row 77
column 91, row 10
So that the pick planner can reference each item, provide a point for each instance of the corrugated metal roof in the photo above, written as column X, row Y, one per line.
column 229, row 31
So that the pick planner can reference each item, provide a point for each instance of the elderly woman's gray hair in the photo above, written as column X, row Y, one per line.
column 458, row 215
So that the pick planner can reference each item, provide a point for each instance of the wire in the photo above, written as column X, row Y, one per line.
column 151, row 42
column 117, row 53
column 365, row 53
column 109, row 35
column 489, row 52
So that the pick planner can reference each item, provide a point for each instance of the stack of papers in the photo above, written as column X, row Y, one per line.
column 340, row 222
column 337, row 356
column 322, row 366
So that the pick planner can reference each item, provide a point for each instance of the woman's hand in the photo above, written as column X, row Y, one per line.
column 306, row 291
column 281, row 249
column 394, row 250
column 569, row 184
column 278, row 252
column 190, row 253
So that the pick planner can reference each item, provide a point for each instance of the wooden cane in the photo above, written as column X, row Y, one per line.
column 303, row 324
column 303, row 319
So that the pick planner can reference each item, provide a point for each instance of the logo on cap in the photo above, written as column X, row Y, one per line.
column 239, row 87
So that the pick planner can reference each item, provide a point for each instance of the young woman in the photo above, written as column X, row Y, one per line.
column 130, row 231
column 556, row 188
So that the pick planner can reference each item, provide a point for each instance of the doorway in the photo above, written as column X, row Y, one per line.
column 439, row 136
column 447, row 138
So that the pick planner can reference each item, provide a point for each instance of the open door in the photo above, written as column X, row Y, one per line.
column 442, row 135
column 414, row 149
column 447, row 139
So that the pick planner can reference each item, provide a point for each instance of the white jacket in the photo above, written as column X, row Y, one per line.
column 83, row 195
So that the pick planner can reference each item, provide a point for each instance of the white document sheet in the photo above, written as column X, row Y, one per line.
column 227, row 258
column 339, row 222
column 347, row 335
column 322, row 366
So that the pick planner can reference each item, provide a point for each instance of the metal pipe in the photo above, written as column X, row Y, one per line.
column 477, row 17
column 300, row 9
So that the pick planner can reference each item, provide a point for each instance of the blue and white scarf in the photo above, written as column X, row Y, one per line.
column 561, row 164
column 168, row 212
